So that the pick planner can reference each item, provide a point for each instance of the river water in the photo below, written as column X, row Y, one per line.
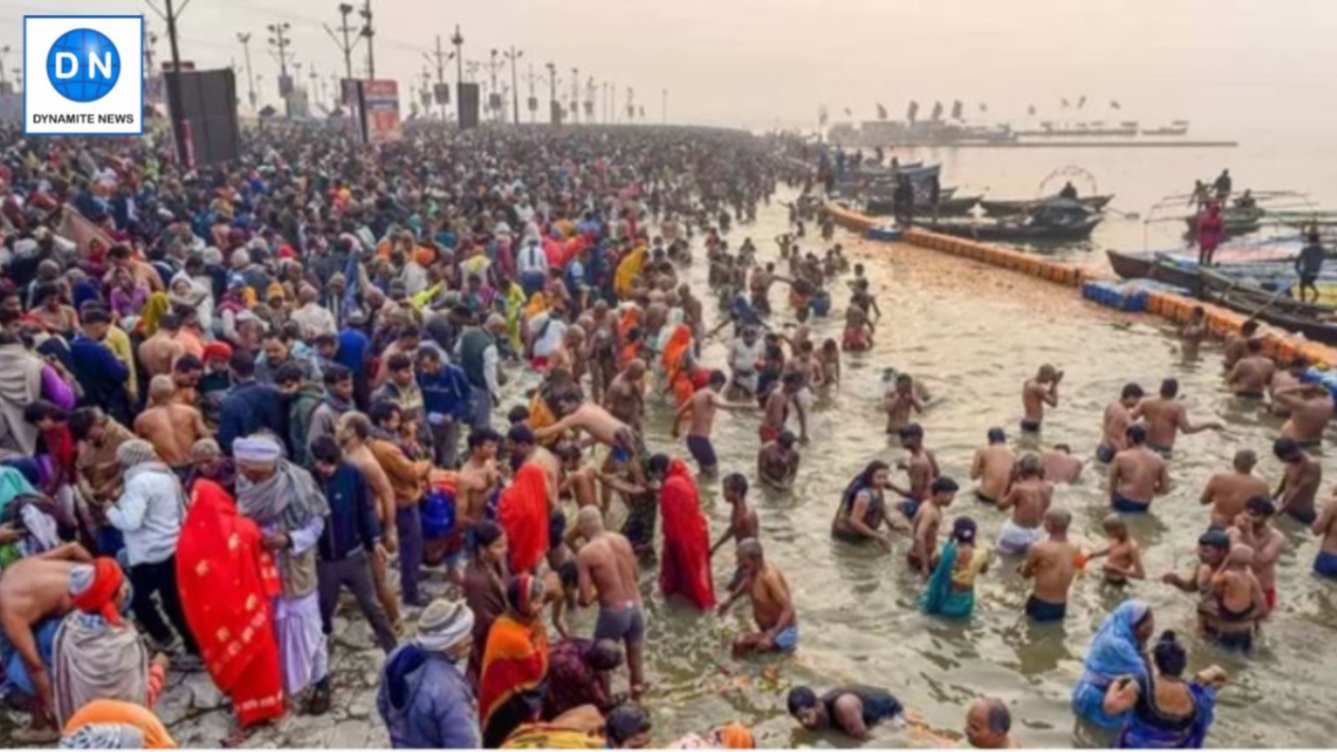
column 1139, row 178
column 973, row 334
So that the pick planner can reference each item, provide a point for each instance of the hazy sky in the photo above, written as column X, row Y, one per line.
column 1231, row 66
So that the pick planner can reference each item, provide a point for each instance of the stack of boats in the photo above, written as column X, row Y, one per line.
column 1054, row 217
column 1258, row 281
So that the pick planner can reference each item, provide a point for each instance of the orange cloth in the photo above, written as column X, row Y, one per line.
column 100, row 597
column 736, row 736
column 514, row 661
column 227, row 583
column 674, row 361
column 541, row 416
column 523, row 514
column 128, row 713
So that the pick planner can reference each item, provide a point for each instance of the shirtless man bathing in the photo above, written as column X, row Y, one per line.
column 1137, row 474
column 743, row 522
column 992, row 467
column 608, row 573
column 772, row 606
column 1052, row 563
column 1035, row 394
column 1029, row 499
column 1165, row 417
column 1227, row 493
column 701, row 408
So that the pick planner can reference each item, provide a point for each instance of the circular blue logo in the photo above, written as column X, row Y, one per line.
column 83, row 65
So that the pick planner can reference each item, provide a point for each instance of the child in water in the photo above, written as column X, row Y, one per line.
column 829, row 358
column 1123, row 556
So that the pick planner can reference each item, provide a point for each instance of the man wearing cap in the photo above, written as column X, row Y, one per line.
column 284, row 500
column 149, row 514
column 97, row 652
column 424, row 698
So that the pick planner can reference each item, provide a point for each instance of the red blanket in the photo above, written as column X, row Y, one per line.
column 523, row 514
column 228, row 582
column 685, row 566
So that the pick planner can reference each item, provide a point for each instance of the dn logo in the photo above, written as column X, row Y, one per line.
column 83, row 65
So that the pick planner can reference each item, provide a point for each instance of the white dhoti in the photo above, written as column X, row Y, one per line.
column 1014, row 539
column 301, row 641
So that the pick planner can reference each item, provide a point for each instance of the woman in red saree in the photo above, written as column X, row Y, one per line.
column 515, row 663
column 523, row 514
column 228, row 582
column 684, row 567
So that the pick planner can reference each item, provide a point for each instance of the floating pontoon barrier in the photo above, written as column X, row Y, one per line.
column 1177, row 308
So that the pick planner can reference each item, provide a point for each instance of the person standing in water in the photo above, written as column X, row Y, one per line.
column 1325, row 564
column 992, row 467
column 1165, row 417
column 1137, row 474
column 1036, row 393
column 1029, row 499
column 1052, row 564
column 1227, row 493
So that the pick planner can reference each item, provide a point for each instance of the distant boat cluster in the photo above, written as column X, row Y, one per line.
column 892, row 133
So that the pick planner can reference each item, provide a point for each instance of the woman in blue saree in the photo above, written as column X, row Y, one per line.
column 1162, row 710
column 1115, row 652
column 951, row 588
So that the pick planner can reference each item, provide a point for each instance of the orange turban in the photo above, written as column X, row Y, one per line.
column 94, row 592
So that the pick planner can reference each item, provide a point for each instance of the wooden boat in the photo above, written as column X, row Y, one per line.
column 1313, row 329
column 1001, row 208
column 1025, row 230
column 1215, row 282
column 1155, row 267
column 947, row 206
column 1235, row 220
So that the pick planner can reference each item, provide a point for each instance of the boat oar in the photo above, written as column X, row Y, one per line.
column 1270, row 302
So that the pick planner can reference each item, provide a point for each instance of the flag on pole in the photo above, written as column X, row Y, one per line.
column 881, row 112
column 1081, row 102
column 1064, row 102
column 1114, row 104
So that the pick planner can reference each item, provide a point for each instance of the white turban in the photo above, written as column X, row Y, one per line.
column 258, row 449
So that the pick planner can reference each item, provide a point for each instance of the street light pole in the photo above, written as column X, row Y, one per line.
column 174, row 91
column 347, row 45
column 368, row 33
column 663, row 108
column 552, row 90
column 245, row 40
column 513, row 55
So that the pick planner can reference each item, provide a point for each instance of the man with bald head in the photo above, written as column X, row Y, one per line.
column 1228, row 492
column 988, row 724
column 772, row 605
column 170, row 426
column 608, row 571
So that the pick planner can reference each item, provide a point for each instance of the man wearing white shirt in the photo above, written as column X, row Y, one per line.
column 532, row 264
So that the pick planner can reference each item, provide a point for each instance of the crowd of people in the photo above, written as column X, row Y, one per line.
column 232, row 395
